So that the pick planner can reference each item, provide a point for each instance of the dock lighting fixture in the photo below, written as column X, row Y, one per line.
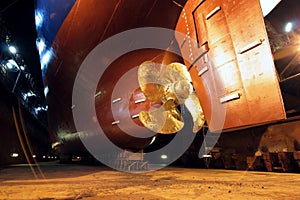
column 12, row 65
column 12, row 49
column 288, row 27
column 14, row 155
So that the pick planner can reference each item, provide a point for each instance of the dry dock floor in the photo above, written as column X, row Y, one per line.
column 56, row 181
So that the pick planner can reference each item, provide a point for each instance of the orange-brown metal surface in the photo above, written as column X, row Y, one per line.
column 122, row 111
column 88, row 24
column 231, row 66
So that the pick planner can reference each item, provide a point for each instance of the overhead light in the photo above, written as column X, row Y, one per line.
column 45, row 59
column 40, row 43
column 288, row 27
column 30, row 94
column 46, row 91
column 12, row 49
column 38, row 109
column 14, row 155
column 163, row 156
column 39, row 18
column 11, row 64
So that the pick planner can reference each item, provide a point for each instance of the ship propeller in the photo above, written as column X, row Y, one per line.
column 170, row 84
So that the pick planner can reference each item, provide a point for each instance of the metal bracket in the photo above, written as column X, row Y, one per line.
column 251, row 46
column 115, row 122
column 139, row 101
column 135, row 116
column 97, row 94
column 213, row 12
column 230, row 97
column 202, row 71
column 116, row 100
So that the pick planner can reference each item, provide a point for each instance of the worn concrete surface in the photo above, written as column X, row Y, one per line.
column 55, row 181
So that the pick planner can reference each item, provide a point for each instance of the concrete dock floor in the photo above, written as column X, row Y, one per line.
column 56, row 181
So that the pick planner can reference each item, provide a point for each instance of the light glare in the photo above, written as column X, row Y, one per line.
column 12, row 49
column 40, row 43
column 14, row 155
column 288, row 27
column 46, row 59
column 46, row 91
column 267, row 6
column 30, row 94
column 152, row 141
column 11, row 64
column 39, row 18
column 38, row 109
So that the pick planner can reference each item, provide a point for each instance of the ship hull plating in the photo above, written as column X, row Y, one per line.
column 235, row 67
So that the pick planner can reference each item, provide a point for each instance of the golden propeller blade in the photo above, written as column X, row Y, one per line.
column 175, row 72
column 165, row 120
column 193, row 105
column 149, row 81
column 172, row 85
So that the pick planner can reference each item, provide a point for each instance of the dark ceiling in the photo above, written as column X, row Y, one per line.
column 18, row 17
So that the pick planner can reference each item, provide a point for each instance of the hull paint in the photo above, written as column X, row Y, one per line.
column 86, row 25
column 236, row 67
